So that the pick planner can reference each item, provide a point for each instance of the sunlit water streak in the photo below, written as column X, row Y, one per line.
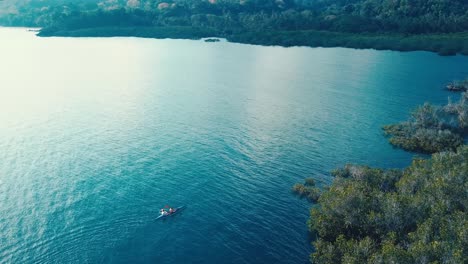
column 97, row 134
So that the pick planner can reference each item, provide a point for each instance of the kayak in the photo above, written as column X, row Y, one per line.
column 176, row 210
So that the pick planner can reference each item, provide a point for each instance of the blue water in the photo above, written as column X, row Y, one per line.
column 97, row 134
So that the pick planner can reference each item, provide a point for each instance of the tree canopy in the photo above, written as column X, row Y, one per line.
column 416, row 215
column 401, row 16
column 434, row 25
column 432, row 129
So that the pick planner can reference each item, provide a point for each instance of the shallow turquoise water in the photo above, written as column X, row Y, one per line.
column 97, row 134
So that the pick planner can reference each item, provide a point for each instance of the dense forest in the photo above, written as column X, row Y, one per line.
column 402, row 16
column 415, row 215
column 434, row 25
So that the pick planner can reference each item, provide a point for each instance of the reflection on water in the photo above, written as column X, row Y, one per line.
column 97, row 134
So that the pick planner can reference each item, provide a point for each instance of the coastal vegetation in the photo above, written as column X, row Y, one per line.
column 432, row 129
column 435, row 25
column 412, row 215
column 458, row 86
column 415, row 215
column 307, row 190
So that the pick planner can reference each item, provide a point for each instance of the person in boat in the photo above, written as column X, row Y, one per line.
column 171, row 210
column 163, row 212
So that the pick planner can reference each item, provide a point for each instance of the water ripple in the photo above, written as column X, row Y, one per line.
column 92, row 144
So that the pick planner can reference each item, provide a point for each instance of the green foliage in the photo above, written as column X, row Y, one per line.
column 432, row 129
column 418, row 215
column 173, row 32
column 460, row 110
column 434, row 25
column 421, row 139
column 307, row 190
column 309, row 182
column 457, row 42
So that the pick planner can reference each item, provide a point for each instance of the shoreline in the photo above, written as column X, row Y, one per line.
column 442, row 44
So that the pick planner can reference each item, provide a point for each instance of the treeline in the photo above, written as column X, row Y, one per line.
column 407, row 16
column 444, row 44
column 353, row 16
column 435, row 25
column 397, row 16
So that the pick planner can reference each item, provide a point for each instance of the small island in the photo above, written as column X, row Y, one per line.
column 212, row 40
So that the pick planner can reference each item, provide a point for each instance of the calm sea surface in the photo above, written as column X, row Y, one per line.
column 97, row 134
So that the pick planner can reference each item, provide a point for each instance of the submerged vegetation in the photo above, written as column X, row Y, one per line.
column 432, row 129
column 307, row 190
column 436, row 25
column 458, row 86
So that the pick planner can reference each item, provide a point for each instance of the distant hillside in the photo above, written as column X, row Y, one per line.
column 39, row 13
column 404, row 16
column 432, row 25
column 412, row 16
